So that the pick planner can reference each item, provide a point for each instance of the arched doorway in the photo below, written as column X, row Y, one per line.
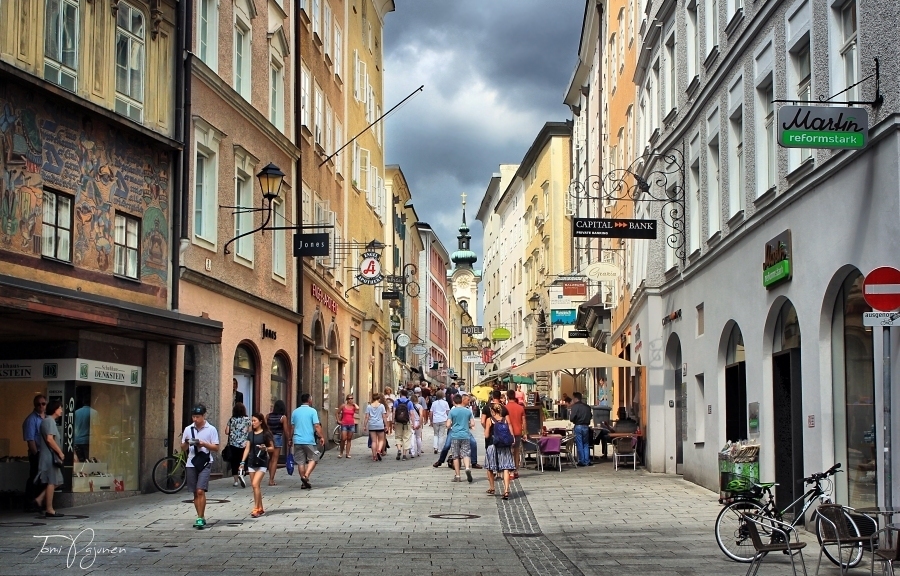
column 279, row 381
column 787, row 404
column 676, row 389
column 853, row 380
column 321, row 372
column 735, row 386
column 245, row 375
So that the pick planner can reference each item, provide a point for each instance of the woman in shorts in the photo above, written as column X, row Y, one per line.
column 346, row 416
column 258, row 450
column 277, row 421
column 236, row 430
column 374, row 423
column 497, row 459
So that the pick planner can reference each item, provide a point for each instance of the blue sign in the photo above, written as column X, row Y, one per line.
column 563, row 316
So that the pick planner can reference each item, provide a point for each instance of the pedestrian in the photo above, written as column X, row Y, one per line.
column 236, row 395
column 580, row 416
column 516, row 421
column 496, row 397
column 50, row 463
column 498, row 457
column 31, row 433
column 258, row 450
column 306, row 427
column 388, row 400
column 440, row 410
column 200, row 440
column 416, row 422
column 403, row 409
column 346, row 416
column 373, row 424
column 460, row 425
column 520, row 395
column 236, row 431
column 277, row 422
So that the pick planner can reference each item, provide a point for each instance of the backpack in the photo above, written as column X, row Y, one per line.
column 401, row 412
column 503, row 437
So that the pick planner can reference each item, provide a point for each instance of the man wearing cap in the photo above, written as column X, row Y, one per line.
column 200, row 437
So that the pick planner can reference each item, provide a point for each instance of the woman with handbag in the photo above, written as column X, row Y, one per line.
column 374, row 423
column 258, row 450
column 236, row 430
column 50, row 461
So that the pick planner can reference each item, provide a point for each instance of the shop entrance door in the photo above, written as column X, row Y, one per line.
column 787, row 418
column 736, row 401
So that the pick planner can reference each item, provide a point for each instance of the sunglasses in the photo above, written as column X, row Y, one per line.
column 43, row 403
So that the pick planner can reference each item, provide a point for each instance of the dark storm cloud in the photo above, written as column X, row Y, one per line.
column 494, row 71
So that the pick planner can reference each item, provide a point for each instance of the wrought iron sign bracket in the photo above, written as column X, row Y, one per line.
column 264, row 226
column 876, row 102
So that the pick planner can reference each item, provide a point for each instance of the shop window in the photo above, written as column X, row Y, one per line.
column 126, row 240
column 279, row 380
column 853, row 377
column 245, row 376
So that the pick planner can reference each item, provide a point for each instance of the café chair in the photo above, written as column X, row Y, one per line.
column 835, row 530
column 568, row 448
column 529, row 448
column 625, row 448
column 885, row 549
column 550, row 448
column 788, row 542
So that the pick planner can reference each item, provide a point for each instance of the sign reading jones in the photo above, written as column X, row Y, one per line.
column 311, row 245
column 613, row 228
column 823, row 127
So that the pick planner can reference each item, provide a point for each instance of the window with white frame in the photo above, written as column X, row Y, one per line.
column 361, row 79
column 242, row 57
column 316, row 18
column 130, row 38
column 370, row 105
column 621, row 41
column 319, row 112
column 329, row 128
column 56, row 226
column 736, row 161
column 127, row 235
column 694, row 195
column 360, row 167
column 304, row 96
column 338, row 51
column 243, row 219
column 801, row 80
column 765, row 150
column 206, row 185
column 326, row 29
column 712, row 25
column 279, row 249
column 208, row 32
column 379, row 128
column 276, row 95
column 61, row 43
column 713, row 179
column 372, row 188
column 733, row 7
column 693, row 41
column 338, row 142
column 613, row 56
column 671, row 75
column 849, row 52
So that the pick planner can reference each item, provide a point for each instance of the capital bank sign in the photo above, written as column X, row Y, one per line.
column 613, row 228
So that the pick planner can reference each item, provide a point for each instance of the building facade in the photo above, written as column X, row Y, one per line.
column 787, row 362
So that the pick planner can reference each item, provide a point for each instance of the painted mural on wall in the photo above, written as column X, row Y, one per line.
column 61, row 148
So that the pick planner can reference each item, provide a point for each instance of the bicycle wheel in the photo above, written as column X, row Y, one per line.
column 169, row 475
column 336, row 435
column 832, row 551
column 732, row 535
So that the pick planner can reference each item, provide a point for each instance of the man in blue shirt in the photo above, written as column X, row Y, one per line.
column 31, row 433
column 460, row 422
column 305, row 424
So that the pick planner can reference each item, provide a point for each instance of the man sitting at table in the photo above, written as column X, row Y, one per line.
column 623, row 425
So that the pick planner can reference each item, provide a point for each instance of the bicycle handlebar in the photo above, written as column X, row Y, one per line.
column 822, row 475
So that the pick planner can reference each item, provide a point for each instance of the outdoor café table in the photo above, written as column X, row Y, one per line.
column 888, row 513
column 541, row 442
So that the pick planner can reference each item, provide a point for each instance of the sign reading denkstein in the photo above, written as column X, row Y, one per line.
column 823, row 127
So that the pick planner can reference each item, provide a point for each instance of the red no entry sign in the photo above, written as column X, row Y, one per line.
column 881, row 289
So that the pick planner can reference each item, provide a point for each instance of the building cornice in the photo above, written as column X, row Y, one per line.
column 229, row 291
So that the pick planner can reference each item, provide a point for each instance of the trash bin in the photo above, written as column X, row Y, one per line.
column 601, row 414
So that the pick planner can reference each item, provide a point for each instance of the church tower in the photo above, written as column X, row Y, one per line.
column 464, row 278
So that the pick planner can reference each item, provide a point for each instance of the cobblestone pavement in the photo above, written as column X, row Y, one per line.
column 363, row 517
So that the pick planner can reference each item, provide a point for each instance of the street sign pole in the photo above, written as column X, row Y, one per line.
column 886, row 376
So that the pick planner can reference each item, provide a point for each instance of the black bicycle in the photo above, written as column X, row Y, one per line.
column 755, row 498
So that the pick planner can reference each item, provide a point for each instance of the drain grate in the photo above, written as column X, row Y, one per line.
column 454, row 516
column 210, row 501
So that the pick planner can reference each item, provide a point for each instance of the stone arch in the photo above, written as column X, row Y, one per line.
column 732, row 381
column 318, row 331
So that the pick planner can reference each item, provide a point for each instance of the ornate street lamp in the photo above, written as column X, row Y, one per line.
column 271, row 178
column 534, row 302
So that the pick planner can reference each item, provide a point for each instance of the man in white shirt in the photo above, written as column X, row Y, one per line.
column 202, row 439
column 440, row 411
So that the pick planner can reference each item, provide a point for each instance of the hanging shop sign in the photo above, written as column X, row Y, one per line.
column 419, row 350
column 574, row 289
column 370, row 269
column 777, row 265
column 470, row 330
column 600, row 271
column 323, row 297
column 563, row 316
column 395, row 324
column 500, row 334
column 390, row 295
column 669, row 318
column 579, row 334
column 80, row 369
column 559, row 301
column 311, row 245
column 471, row 358
column 823, row 127
column 402, row 340
column 613, row 228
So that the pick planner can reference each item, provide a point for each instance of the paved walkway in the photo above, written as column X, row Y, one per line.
column 379, row 518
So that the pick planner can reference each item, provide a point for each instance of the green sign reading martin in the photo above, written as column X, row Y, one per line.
column 777, row 273
column 823, row 127
column 778, row 258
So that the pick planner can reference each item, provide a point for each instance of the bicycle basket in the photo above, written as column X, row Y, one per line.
column 740, row 486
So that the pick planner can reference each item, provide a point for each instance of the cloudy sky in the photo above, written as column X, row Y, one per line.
column 494, row 71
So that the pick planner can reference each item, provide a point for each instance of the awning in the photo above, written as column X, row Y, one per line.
column 516, row 379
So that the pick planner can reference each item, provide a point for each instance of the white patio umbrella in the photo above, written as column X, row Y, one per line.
column 573, row 359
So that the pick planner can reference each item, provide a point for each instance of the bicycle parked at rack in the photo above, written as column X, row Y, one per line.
column 732, row 534
column 169, row 473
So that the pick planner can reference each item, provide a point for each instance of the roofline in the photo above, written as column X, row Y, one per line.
column 590, row 21
column 485, row 206
column 548, row 131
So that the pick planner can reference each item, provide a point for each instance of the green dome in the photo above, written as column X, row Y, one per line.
column 464, row 257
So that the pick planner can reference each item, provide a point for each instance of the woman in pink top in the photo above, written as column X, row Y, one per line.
column 346, row 414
